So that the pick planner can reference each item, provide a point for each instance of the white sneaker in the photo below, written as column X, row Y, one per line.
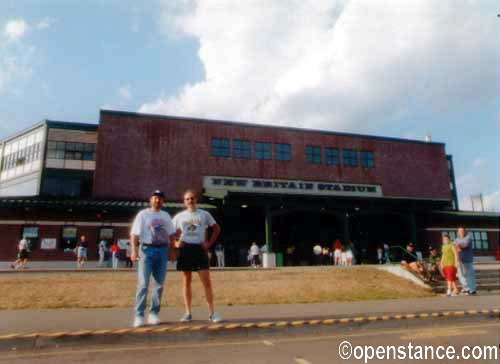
column 214, row 318
column 153, row 319
column 138, row 321
column 186, row 318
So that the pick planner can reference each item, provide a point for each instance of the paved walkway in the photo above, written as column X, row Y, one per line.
column 20, row 321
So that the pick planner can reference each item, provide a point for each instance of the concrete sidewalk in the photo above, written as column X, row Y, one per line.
column 26, row 321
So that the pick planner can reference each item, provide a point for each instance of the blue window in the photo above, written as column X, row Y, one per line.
column 282, row 152
column 241, row 148
column 367, row 159
column 263, row 150
column 332, row 156
column 313, row 154
column 350, row 157
column 220, row 147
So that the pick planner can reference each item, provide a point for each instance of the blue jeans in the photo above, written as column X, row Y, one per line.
column 152, row 261
column 467, row 276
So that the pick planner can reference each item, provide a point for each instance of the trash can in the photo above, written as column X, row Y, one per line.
column 279, row 259
column 268, row 260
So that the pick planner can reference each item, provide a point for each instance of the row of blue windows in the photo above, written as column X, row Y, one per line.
column 332, row 157
column 221, row 147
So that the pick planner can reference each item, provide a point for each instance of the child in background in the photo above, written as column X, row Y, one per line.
column 448, row 264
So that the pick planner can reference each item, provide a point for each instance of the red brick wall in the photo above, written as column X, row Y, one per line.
column 139, row 153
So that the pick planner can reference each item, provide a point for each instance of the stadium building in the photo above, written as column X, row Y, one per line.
column 278, row 186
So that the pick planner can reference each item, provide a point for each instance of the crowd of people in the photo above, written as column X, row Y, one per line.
column 337, row 254
column 454, row 263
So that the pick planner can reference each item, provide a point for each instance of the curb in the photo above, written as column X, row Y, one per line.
column 15, row 341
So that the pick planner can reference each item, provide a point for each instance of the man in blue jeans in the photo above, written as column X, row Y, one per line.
column 466, row 274
column 151, row 235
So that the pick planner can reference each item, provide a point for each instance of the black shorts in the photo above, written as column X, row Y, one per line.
column 23, row 254
column 192, row 258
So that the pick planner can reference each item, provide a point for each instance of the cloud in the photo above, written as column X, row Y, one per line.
column 476, row 182
column 45, row 23
column 15, row 29
column 334, row 64
column 124, row 92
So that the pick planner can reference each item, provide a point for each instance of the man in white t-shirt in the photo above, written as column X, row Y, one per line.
column 191, row 225
column 22, row 255
column 151, row 235
column 254, row 254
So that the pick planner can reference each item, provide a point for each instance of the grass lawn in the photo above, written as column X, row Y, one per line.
column 290, row 285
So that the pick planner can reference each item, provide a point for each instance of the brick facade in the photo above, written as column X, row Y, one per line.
column 137, row 153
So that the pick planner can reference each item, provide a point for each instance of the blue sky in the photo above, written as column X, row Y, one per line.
column 407, row 69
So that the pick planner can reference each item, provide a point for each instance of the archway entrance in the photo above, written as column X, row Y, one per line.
column 300, row 230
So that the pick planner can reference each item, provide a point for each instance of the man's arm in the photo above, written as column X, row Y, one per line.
column 134, row 247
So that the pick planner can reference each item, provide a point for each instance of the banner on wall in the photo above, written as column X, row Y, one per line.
column 48, row 244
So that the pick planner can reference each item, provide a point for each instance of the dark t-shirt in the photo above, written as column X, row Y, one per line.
column 83, row 245
column 409, row 257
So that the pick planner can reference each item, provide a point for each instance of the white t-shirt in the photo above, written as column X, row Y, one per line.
column 254, row 249
column 153, row 227
column 23, row 244
column 102, row 247
column 193, row 225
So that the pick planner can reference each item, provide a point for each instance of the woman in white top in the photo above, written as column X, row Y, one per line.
column 191, row 225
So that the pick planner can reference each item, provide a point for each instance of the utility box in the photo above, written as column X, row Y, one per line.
column 268, row 260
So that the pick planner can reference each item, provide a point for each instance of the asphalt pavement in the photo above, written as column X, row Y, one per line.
column 26, row 321
column 402, row 344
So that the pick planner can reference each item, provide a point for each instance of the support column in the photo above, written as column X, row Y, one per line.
column 347, row 235
column 269, row 229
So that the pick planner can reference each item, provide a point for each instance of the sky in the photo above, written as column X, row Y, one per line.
column 383, row 67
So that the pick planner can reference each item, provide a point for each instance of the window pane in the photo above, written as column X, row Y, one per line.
column 61, row 145
column 220, row 147
column 484, row 235
column 477, row 235
column 241, row 148
column 453, row 235
column 51, row 154
column 332, row 156
column 51, row 145
column 263, row 150
column 367, row 159
column 486, row 244
column 283, row 152
column 350, row 157
column 77, row 156
column 313, row 154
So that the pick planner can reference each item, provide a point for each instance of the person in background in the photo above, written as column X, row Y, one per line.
column 466, row 273
column 219, row 253
column 102, row 252
column 254, row 254
column 22, row 254
column 337, row 251
column 386, row 253
column 411, row 263
column 433, row 264
column 448, row 265
column 317, row 250
column 349, row 255
column 81, row 251
column 325, row 252
column 115, row 250
column 380, row 255
column 128, row 251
